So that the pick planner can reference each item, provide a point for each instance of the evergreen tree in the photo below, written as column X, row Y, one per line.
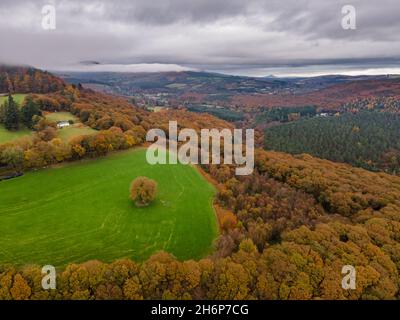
column 367, row 139
column 29, row 110
column 11, row 119
column 2, row 112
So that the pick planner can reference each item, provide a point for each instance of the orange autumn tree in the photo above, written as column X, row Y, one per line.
column 143, row 191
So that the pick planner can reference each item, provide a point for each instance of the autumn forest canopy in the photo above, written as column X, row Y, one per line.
column 325, row 193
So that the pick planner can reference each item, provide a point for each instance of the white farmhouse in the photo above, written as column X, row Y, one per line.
column 63, row 124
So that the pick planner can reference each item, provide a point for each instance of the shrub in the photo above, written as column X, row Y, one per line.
column 143, row 190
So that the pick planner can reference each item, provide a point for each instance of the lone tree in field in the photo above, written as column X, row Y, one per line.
column 143, row 190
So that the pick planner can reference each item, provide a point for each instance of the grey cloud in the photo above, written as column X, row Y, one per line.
column 210, row 34
column 171, row 11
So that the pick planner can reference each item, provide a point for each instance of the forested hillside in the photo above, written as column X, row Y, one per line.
column 121, row 125
column 27, row 79
column 332, row 97
column 389, row 104
column 286, row 230
column 365, row 139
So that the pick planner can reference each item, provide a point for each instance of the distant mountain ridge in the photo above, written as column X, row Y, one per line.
column 205, row 87
column 207, row 82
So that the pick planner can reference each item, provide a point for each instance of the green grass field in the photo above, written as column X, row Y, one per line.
column 18, row 97
column 74, row 130
column 8, row 136
column 82, row 211
column 61, row 116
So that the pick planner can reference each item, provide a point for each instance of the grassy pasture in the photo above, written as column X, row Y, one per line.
column 81, row 211
column 60, row 116
column 18, row 97
column 74, row 130
column 8, row 136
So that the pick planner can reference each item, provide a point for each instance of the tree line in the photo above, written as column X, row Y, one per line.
column 27, row 80
column 286, row 114
column 219, row 112
column 14, row 116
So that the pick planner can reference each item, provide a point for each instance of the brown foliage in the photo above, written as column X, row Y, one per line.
column 143, row 191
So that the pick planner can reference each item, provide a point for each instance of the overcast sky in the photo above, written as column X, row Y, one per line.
column 246, row 37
